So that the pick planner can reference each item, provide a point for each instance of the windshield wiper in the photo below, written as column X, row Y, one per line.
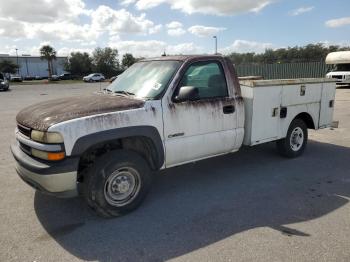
column 126, row 93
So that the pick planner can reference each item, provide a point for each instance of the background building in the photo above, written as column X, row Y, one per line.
column 34, row 65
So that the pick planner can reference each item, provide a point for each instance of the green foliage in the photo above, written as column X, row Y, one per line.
column 105, row 61
column 48, row 53
column 128, row 60
column 309, row 53
column 8, row 66
column 78, row 64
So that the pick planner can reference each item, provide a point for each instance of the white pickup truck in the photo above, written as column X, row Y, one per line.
column 161, row 113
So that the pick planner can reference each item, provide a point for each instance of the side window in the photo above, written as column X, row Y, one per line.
column 208, row 77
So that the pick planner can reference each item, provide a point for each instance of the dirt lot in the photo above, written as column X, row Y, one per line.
column 252, row 205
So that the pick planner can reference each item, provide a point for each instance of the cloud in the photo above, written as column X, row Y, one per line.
column 175, row 28
column 153, row 48
column 218, row 7
column 205, row 31
column 301, row 10
column 42, row 11
column 105, row 18
column 338, row 22
column 174, row 25
column 244, row 46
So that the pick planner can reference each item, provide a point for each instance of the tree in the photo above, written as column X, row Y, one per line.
column 128, row 60
column 309, row 53
column 105, row 61
column 48, row 53
column 78, row 63
column 8, row 66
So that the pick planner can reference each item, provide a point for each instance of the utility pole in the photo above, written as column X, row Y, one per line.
column 216, row 44
column 17, row 61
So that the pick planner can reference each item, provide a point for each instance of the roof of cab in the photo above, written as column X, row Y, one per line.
column 181, row 58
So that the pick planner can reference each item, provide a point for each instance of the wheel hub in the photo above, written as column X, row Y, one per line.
column 296, row 139
column 122, row 186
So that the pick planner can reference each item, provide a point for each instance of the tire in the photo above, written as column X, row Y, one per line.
column 296, row 140
column 117, row 183
column 90, row 80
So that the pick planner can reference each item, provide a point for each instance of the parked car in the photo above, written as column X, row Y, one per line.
column 66, row 76
column 95, row 77
column 28, row 78
column 38, row 78
column 16, row 78
column 107, row 146
column 54, row 78
column 4, row 84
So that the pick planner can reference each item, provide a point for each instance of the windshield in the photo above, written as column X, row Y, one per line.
column 341, row 67
column 145, row 79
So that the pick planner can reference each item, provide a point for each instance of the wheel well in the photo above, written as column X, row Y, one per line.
column 139, row 144
column 307, row 119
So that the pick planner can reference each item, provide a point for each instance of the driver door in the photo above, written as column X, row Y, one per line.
column 206, row 127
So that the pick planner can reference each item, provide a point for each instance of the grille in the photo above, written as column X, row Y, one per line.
column 337, row 77
column 26, row 149
column 24, row 130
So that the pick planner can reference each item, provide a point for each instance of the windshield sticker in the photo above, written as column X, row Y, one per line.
column 157, row 86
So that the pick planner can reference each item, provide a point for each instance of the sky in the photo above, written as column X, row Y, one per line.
column 150, row 27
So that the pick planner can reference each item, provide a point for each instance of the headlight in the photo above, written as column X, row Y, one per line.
column 3, row 82
column 46, row 137
column 52, row 156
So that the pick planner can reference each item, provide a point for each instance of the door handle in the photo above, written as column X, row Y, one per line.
column 229, row 109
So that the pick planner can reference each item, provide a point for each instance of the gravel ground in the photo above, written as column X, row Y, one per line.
column 249, row 206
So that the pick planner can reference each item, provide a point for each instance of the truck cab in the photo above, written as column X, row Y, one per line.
column 160, row 113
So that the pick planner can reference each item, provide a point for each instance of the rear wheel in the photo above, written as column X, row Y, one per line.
column 296, row 140
column 117, row 183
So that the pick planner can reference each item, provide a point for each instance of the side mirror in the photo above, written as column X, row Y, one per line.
column 187, row 93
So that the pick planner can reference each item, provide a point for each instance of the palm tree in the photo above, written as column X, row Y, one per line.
column 48, row 53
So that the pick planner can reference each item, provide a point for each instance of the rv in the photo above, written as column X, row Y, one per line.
column 341, row 71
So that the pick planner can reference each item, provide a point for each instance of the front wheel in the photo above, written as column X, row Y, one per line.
column 117, row 183
column 296, row 140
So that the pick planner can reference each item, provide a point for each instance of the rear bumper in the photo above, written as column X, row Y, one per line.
column 56, row 178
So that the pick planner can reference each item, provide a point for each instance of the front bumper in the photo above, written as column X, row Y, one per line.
column 56, row 178
column 4, row 87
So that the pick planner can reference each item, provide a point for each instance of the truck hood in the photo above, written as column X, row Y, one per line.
column 45, row 114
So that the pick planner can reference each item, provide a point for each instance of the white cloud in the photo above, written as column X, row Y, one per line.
column 176, row 32
column 60, row 27
column 66, row 51
column 41, row 11
column 174, row 25
column 205, row 31
column 156, row 29
column 301, row 10
column 175, row 28
column 244, row 46
column 218, row 7
column 105, row 18
column 338, row 22
column 153, row 48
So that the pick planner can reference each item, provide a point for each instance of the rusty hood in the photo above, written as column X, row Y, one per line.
column 45, row 114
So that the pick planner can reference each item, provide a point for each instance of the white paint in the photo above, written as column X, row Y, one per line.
column 263, row 100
